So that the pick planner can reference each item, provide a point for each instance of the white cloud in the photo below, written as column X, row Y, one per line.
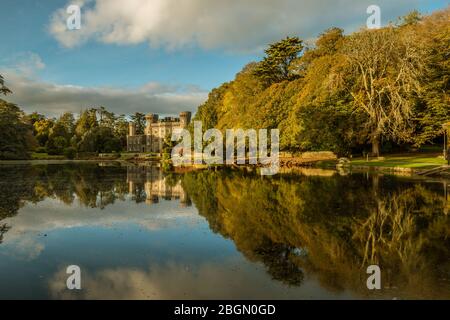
column 33, row 94
column 234, row 25
column 25, row 63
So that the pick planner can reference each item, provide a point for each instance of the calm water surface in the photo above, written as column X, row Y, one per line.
column 138, row 233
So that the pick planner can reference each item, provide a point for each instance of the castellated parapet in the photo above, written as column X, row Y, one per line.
column 156, row 131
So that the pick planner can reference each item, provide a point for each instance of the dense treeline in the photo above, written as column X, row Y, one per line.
column 95, row 130
column 347, row 93
column 92, row 131
column 16, row 137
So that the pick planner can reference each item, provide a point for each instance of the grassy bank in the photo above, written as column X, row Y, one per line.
column 409, row 162
column 413, row 161
column 124, row 156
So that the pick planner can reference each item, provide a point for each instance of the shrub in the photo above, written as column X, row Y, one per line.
column 70, row 153
column 41, row 150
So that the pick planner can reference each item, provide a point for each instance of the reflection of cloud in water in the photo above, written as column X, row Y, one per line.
column 177, row 281
column 49, row 215
column 52, row 214
column 26, row 248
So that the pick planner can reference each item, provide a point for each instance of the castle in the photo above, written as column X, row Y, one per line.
column 155, row 185
column 156, row 131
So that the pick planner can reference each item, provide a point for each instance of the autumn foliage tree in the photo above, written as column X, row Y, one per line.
column 345, row 93
column 382, row 75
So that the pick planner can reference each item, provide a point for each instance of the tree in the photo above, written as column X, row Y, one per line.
column 106, row 118
column 16, row 137
column 139, row 120
column 85, row 122
column 67, row 120
column 58, row 139
column 56, row 145
column 276, row 66
column 42, row 130
column 328, row 43
column 432, row 109
column 383, row 73
column 121, row 129
column 100, row 139
column 61, row 133
column 411, row 18
column 34, row 117
column 3, row 89
column 347, row 92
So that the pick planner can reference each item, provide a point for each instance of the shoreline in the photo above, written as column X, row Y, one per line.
column 415, row 164
column 311, row 166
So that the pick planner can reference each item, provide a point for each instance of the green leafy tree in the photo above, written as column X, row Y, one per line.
column 56, row 145
column 106, row 118
column 16, row 138
column 86, row 121
column 34, row 117
column 3, row 89
column 67, row 120
column 139, row 120
column 100, row 139
column 276, row 66
column 61, row 133
column 42, row 129
column 121, row 129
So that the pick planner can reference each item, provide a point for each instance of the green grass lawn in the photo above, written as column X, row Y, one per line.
column 132, row 155
column 425, row 161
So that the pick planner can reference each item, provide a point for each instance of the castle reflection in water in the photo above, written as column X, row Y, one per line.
column 156, row 185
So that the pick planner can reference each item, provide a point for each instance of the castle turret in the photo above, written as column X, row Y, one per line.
column 151, row 118
column 131, row 129
column 185, row 119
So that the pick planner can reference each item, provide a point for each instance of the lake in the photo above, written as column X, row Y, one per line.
column 139, row 233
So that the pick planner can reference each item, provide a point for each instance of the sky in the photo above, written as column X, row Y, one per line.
column 160, row 56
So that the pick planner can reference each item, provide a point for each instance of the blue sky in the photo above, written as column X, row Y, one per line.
column 26, row 30
column 155, row 55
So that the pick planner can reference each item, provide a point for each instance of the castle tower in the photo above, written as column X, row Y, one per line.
column 151, row 118
column 185, row 119
column 131, row 129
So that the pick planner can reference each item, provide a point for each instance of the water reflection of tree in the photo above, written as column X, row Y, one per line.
column 91, row 185
column 3, row 229
column 277, row 257
column 342, row 224
column 12, row 194
column 88, row 184
column 408, row 233
column 16, row 186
